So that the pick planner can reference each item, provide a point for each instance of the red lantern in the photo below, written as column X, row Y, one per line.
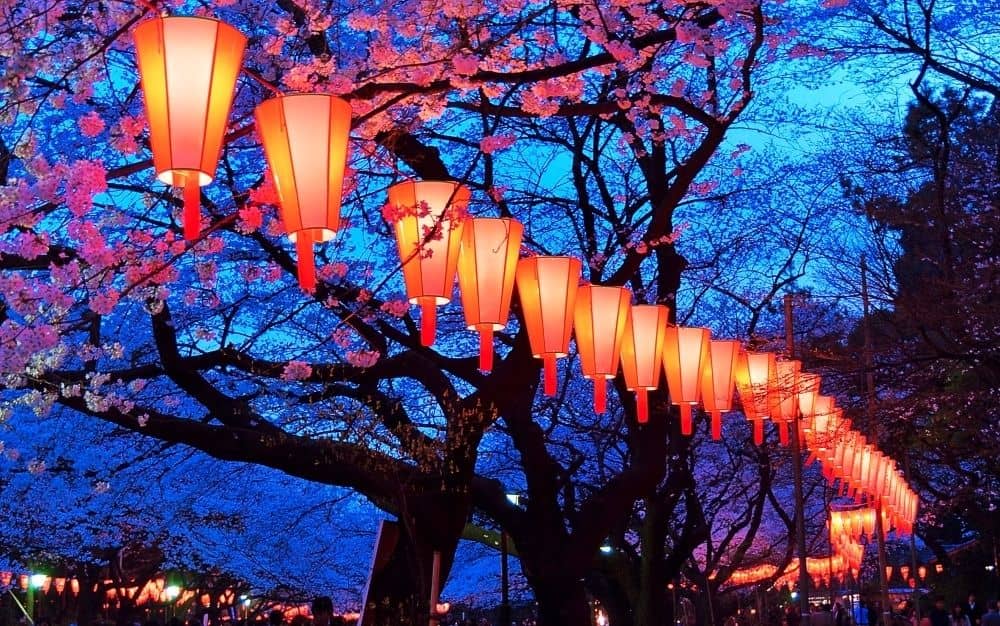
column 487, row 262
column 642, row 353
column 22, row 581
column 428, row 217
column 547, row 287
column 305, row 141
column 904, row 571
column 755, row 380
column 718, row 380
column 938, row 567
column 786, row 391
column 600, row 318
column 74, row 586
column 188, row 68
column 685, row 351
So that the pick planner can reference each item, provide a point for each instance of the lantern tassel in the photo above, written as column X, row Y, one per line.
column 783, row 432
column 600, row 395
column 758, row 432
column 686, row 425
column 716, row 425
column 485, row 348
column 192, row 208
column 307, row 264
column 641, row 405
column 549, row 375
column 428, row 321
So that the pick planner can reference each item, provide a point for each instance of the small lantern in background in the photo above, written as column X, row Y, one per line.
column 188, row 68
column 939, row 567
column 547, row 287
column 685, row 350
column 642, row 353
column 487, row 262
column 305, row 138
column 428, row 217
column 599, row 320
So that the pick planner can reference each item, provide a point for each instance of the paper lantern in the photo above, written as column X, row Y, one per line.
column 938, row 567
column 718, row 380
column 427, row 217
column 755, row 380
column 904, row 571
column 23, row 581
column 188, row 68
column 786, row 390
column 74, row 586
column 685, row 350
column 487, row 262
column 305, row 138
column 599, row 321
column 547, row 287
column 642, row 353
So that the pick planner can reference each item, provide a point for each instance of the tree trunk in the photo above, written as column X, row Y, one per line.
column 400, row 585
column 562, row 602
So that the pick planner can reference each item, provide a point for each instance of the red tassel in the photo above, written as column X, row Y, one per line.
column 686, row 425
column 307, row 264
column 550, row 376
column 716, row 425
column 485, row 349
column 641, row 406
column 192, row 207
column 783, row 432
column 758, row 432
column 428, row 321
column 600, row 395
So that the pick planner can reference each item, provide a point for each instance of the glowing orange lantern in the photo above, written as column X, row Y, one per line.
column 487, row 262
column 685, row 350
column 428, row 217
column 904, row 571
column 22, row 581
column 547, row 286
column 755, row 380
column 599, row 319
column 922, row 572
column 786, row 391
column 188, row 68
column 5, row 578
column 642, row 353
column 938, row 567
column 305, row 141
column 718, row 379
column 60, row 584
column 74, row 586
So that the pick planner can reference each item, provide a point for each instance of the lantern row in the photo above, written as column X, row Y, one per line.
column 847, row 552
column 188, row 68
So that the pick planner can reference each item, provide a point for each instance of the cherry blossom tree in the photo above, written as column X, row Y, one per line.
column 591, row 123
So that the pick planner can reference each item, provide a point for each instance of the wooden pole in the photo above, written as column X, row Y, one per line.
column 874, row 426
column 800, row 521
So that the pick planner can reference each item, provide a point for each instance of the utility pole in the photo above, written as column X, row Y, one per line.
column 800, row 521
column 874, row 425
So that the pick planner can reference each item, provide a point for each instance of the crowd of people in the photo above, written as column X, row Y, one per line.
column 968, row 613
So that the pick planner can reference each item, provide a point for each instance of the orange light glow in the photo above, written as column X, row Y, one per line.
column 599, row 319
column 547, row 287
column 305, row 138
column 487, row 262
column 685, row 350
column 188, row 68
column 428, row 237
column 642, row 353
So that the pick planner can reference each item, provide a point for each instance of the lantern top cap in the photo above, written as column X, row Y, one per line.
column 189, row 18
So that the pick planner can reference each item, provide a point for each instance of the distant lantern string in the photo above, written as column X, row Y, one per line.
column 188, row 68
